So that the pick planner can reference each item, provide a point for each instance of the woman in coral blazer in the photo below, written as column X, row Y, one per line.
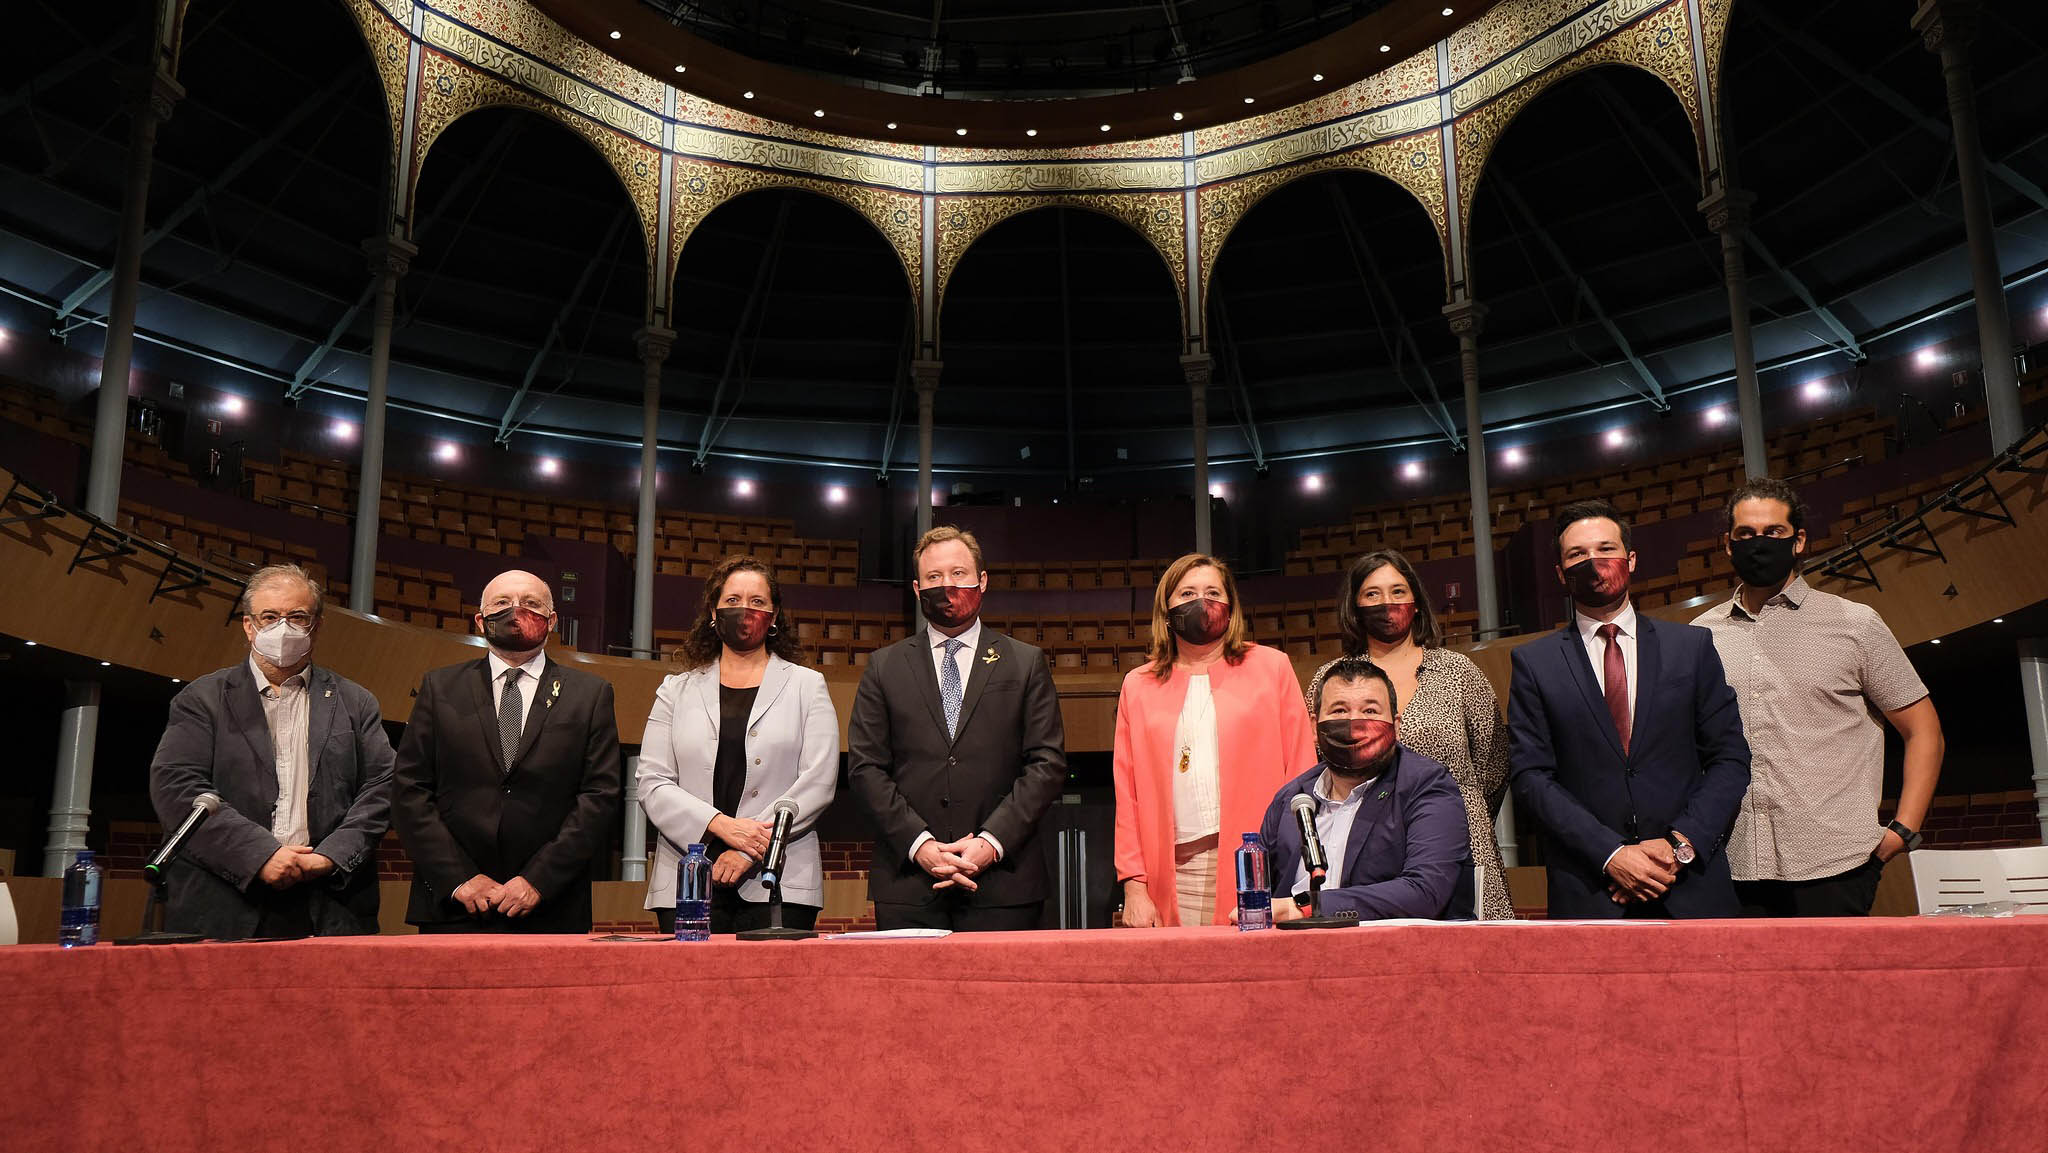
column 1206, row 733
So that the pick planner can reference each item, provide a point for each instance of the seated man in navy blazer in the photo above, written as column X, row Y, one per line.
column 1391, row 820
column 1627, row 745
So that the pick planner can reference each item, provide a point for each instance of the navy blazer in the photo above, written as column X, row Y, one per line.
column 1409, row 853
column 1686, row 769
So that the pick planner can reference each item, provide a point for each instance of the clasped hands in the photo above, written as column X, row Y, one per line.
column 1642, row 872
column 956, row 863
column 292, row 864
column 480, row 894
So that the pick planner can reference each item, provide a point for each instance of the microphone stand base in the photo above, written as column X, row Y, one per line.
column 1319, row 923
column 775, row 933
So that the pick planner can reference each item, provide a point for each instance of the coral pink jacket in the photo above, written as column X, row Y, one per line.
column 1265, row 739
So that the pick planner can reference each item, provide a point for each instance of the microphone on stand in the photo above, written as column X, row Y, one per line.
column 203, row 806
column 1316, row 860
column 156, row 872
column 771, row 876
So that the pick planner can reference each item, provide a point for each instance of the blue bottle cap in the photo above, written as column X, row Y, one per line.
column 84, row 856
column 1252, row 839
column 696, row 848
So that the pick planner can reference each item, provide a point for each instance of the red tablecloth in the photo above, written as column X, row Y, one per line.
column 1854, row 1035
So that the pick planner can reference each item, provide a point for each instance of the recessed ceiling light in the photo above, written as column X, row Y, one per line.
column 1386, row 47
column 892, row 125
column 1447, row 11
column 1994, row 620
column 1935, row 641
column 1318, row 78
column 1031, row 132
column 30, row 644
column 110, row 664
column 1105, row 128
column 680, row 68
column 959, row 132
column 748, row 94
column 1247, row 100
column 1176, row 116
column 817, row 111
column 615, row 34
column 176, row 681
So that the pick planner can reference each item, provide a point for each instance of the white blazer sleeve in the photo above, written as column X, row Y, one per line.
column 817, row 775
column 681, row 816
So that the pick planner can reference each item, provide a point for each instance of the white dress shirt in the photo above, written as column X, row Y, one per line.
column 1197, row 799
column 528, row 687
column 1596, row 650
column 1333, row 826
column 963, row 660
column 286, row 710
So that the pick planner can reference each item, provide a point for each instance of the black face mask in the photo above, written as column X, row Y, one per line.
column 742, row 629
column 1200, row 621
column 1763, row 562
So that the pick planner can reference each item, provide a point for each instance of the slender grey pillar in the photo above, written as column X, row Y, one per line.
column 925, row 374
column 2034, row 691
column 633, row 845
column 653, row 342
column 71, row 801
column 1465, row 318
column 389, row 258
column 1198, row 368
column 1727, row 212
column 110, row 419
column 1948, row 28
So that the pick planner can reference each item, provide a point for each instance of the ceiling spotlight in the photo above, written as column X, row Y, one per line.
column 1386, row 47
column 1248, row 100
column 1814, row 390
column 1717, row 417
column 233, row 405
column 342, row 430
column 1318, row 78
column 1031, row 132
column 30, row 644
column 110, row 664
column 680, row 68
column 1447, row 11
column 1514, row 458
column 1926, row 358
column 1412, row 470
column 615, row 34
column 1216, row 491
column 447, row 452
column 747, row 95
column 1313, row 482
column 835, row 494
column 959, row 132
column 1935, row 641
column 1176, row 116
column 1994, row 620
column 177, row 681
column 1105, row 128
column 549, row 466
column 743, row 487
column 892, row 125
column 1616, row 438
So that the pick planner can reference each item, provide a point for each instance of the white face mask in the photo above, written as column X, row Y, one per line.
column 282, row 645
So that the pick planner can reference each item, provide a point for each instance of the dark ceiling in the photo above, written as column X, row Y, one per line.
column 1060, row 326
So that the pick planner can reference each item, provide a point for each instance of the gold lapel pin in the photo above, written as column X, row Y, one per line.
column 554, row 691
column 991, row 656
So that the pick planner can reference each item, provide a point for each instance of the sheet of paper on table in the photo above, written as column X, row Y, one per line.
column 891, row 935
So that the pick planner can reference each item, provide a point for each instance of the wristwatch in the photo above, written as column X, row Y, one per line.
column 1680, row 848
column 1910, row 836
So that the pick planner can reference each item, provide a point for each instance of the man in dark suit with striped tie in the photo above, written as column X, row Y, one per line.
column 955, row 748
column 507, row 778
column 1627, row 746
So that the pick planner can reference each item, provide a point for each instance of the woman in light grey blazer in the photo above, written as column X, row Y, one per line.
column 746, row 726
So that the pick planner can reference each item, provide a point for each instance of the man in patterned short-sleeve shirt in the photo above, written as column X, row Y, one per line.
column 1808, row 669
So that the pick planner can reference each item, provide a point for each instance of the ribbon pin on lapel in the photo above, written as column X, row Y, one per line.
column 554, row 691
column 991, row 656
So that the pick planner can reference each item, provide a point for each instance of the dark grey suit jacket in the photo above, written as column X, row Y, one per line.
column 459, row 813
column 1004, row 770
column 217, row 739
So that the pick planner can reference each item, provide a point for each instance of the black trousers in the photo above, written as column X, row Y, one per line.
column 1848, row 894
column 952, row 911
column 731, row 913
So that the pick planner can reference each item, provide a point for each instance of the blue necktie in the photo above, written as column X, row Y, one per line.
column 949, row 687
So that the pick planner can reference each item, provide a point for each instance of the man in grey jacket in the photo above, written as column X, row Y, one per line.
column 299, row 758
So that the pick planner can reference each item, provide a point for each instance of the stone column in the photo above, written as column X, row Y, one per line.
column 110, row 420
column 925, row 375
column 1199, row 368
column 1727, row 212
column 71, row 801
column 2034, row 691
column 389, row 258
column 1465, row 319
column 1948, row 28
column 653, row 344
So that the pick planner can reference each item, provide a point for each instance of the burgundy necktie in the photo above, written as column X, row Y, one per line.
column 1616, row 676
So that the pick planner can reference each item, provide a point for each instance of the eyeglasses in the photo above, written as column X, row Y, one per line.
column 301, row 620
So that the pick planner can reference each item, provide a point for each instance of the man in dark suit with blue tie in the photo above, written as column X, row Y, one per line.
column 1627, row 744
column 955, row 749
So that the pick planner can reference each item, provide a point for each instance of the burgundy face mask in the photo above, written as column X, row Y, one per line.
column 1355, row 746
column 516, row 629
column 1200, row 621
column 1388, row 622
column 1600, row 580
column 742, row 629
column 950, row 606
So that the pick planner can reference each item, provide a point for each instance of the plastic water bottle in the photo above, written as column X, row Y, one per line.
column 1254, row 894
column 81, row 921
column 693, row 896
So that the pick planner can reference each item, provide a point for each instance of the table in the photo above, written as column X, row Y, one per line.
column 1733, row 1035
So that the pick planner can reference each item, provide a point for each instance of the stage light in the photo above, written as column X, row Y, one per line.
column 233, row 405
column 1177, row 116
column 1616, row 438
column 110, row 664
column 1318, row 78
column 747, row 95
column 1998, row 620
column 1105, row 128
column 549, row 466
column 1814, row 390
column 5, row 336
column 817, row 111
column 1216, row 491
column 1031, row 132
column 836, row 494
column 1513, row 458
column 1935, row 641
column 1313, row 482
column 341, row 430
column 743, row 487
column 681, row 69
column 30, row 644
column 177, row 681
column 1248, row 99
column 1926, row 358
column 959, row 132
column 447, row 452
column 1716, row 417
column 1386, row 47
column 615, row 34
column 1447, row 11
column 892, row 126
column 1412, row 470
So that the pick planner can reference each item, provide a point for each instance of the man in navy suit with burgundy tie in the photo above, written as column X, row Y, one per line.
column 1627, row 744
